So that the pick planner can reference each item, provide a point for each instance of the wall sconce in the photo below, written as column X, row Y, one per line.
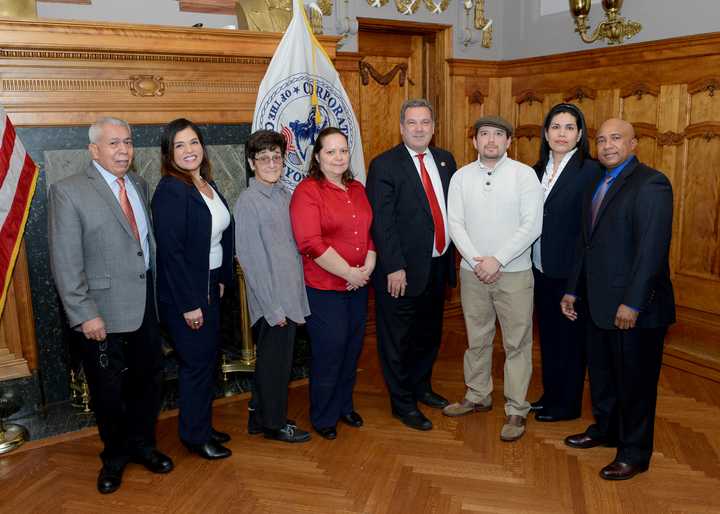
column 614, row 29
column 480, row 22
column 345, row 25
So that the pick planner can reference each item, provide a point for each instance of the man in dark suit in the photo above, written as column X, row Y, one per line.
column 407, row 187
column 102, row 253
column 623, row 274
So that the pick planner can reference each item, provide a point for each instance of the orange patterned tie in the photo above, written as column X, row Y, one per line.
column 127, row 208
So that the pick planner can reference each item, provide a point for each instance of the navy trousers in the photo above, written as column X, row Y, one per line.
column 197, row 352
column 624, row 368
column 336, row 327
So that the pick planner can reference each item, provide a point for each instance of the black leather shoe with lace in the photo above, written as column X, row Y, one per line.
column 288, row 434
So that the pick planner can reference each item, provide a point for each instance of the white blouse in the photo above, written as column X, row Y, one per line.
column 220, row 221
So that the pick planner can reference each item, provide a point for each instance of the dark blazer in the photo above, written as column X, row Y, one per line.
column 182, row 229
column 562, row 213
column 625, row 258
column 403, row 228
column 97, row 263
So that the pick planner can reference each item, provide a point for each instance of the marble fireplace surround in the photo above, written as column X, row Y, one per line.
column 56, row 78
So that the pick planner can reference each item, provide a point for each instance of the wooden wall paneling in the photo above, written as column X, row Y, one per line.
column 672, row 119
column 476, row 110
column 347, row 65
column 18, row 347
column 704, row 99
column 380, row 107
column 57, row 73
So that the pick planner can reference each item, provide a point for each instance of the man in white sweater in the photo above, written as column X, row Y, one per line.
column 495, row 207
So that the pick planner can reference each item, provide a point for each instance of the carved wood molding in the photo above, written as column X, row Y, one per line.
column 710, row 84
column 640, row 89
column 147, row 85
column 670, row 138
column 528, row 131
column 99, row 55
column 645, row 130
column 82, row 2
column 476, row 97
column 208, row 6
column 707, row 130
column 528, row 96
column 579, row 93
column 367, row 70
column 137, row 85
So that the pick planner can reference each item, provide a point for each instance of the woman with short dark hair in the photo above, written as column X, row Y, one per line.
column 277, row 301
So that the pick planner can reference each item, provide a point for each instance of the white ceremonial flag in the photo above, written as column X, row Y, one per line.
column 300, row 95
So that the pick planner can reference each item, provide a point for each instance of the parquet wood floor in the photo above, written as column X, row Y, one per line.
column 459, row 467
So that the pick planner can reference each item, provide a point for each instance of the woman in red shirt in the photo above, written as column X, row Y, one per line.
column 331, row 220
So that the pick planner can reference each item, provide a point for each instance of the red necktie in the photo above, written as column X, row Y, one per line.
column 434, row 205
column 127, row 208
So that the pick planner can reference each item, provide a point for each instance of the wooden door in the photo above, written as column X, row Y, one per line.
column 397, row 61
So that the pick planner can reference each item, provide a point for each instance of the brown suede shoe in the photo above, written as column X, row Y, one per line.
column 513, row 429
column 466, row 407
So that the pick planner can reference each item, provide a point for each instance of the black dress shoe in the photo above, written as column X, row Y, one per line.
column 618, row 470
column 550, row 418
column 583, row 441
column 254, row 426
column 154, row 461
column 109, row 479
column 327, row 432
column 219, row 437
column 352, row 418
column 287, row 434
column 434, row 400
column 414, row 419
column 210, row 450
column 536, row 406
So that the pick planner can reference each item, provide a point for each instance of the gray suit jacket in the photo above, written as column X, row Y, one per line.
column 97, row 263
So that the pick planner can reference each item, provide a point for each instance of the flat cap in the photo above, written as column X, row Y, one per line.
column 494, row 121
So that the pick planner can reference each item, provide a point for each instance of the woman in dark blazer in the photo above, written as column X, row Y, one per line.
column 194, row 231
column 565, row 170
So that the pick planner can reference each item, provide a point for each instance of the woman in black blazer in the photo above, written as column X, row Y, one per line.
column 194, row 231
column 565, row 170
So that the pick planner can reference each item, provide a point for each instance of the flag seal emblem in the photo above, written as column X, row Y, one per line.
column 286, row 109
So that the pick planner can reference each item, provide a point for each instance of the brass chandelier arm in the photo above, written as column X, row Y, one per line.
column 614, row 31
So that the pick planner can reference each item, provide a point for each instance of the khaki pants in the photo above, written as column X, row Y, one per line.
column 510, row 300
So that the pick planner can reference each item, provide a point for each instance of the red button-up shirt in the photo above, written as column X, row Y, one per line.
column 324, row 215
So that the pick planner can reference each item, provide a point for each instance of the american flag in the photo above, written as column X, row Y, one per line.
column 18, row 175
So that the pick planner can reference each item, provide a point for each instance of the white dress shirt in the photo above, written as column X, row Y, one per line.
column 432, row 170
column 135, row 203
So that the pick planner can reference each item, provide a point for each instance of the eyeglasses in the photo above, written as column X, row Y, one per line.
column 267, row 159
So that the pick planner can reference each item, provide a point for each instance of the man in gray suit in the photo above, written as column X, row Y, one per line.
column 102, row 251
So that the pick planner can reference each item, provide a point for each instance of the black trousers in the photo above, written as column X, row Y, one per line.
column 336, row 327
column 409, row 331
column 562, row 349
column 124, row 377
column 197, row 352
column 624, row 368
column 274, row 353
